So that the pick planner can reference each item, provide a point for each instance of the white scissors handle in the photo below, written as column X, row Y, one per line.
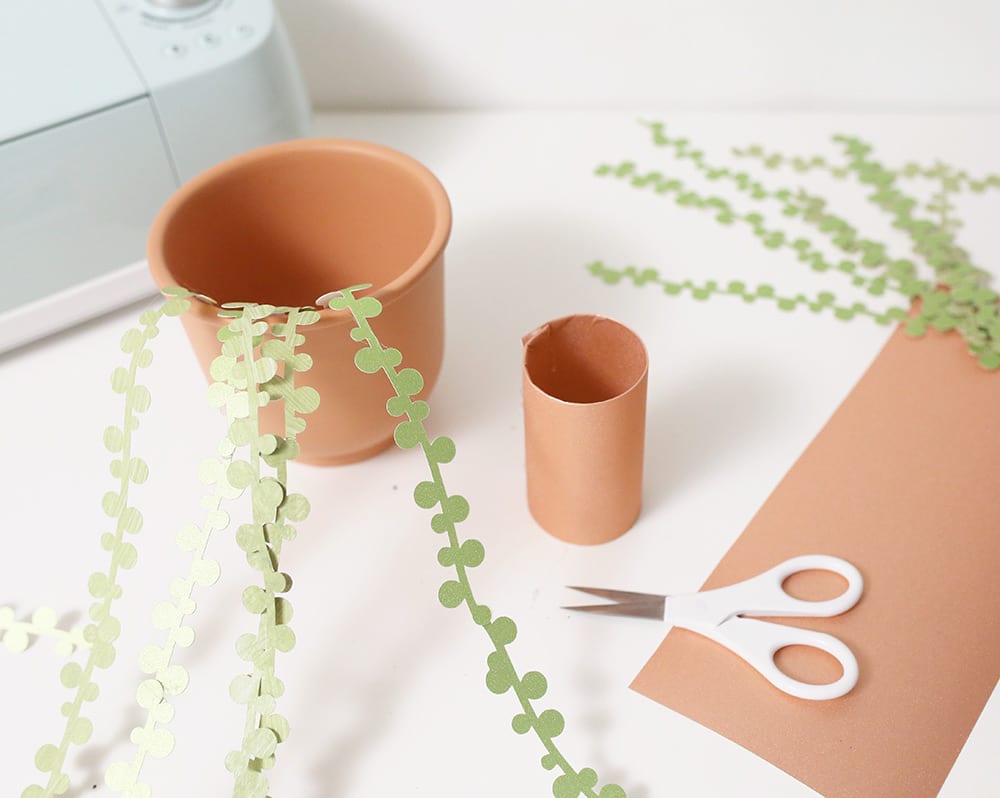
column 758, row 641
column 714, row 613
column 764, row 595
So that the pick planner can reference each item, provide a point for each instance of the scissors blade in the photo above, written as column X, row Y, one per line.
column 626, row 603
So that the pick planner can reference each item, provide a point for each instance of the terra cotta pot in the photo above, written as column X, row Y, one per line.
column 286, row 223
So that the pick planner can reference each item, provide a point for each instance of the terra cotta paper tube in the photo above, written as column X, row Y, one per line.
column 902, row 482
column 584, row 425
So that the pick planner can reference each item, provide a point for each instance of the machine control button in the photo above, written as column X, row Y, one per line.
column 175, row 50
column 174, row 4
column 177, row 10
column 243, row 31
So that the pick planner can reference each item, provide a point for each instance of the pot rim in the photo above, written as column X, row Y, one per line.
column 528, row 340
column 386, row 294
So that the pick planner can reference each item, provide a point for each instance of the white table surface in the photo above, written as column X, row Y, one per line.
column 385, row 690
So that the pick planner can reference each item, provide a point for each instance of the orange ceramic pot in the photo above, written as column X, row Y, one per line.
column 287, row 223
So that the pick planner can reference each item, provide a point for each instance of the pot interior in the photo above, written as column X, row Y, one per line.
column 585, row 359
column 293, row 224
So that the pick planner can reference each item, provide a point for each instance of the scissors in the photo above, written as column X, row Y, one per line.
column 726, row 615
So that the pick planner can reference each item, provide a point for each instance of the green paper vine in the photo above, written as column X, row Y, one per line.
column 962, row 299
column 957, row 179
column 244, row 383
column 167, row 678
column 273, row 510
column 104, row 628
column 772, row 237
column 824, row 301
column 956, row 296
column 17, row 634
column 410, row 433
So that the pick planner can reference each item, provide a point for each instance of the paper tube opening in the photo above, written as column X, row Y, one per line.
column 584, row 424
column 584, row 359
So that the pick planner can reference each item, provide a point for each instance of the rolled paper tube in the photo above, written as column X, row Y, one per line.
column 584, row 426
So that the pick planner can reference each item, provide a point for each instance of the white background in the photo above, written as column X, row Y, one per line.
column 385, row 688
column 881, row 55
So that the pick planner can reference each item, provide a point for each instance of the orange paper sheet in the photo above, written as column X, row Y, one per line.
column 903, row 481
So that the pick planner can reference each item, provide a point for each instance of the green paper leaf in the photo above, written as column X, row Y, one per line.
column 409, row 381
column 121, row 380
column 47, row 758
column 174, row 679
column 256, row 599
column 132, row 341
column 295, row 507
column 284, row 638
column 534, row 685
column 152, row 659
column 471, row 553
column 452, row 594
column 71, row 674
column 502, row 631
column 149, row 693
column 521, row 724
column 176, row 306
column 260, row 743
column 250, row 784
column 550, row 723
column 244, row 688
column 368, row 360
column 455, row 509
column 408, row 434
column 501, row 676
column 441, row 450
column 427, row 494
column 79, row 730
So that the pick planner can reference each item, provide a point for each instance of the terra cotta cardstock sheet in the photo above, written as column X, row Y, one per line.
column 903, row 482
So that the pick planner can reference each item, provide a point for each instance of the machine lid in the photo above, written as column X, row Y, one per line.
column 59, row 59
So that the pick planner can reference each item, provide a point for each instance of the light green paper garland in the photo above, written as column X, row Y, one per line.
column 463, row 555
column 246, row 382
column 104, row 630
column 166, row 678
column 824, row 301
column 957, row 296
column 44, row 621
column 273, row 508
column 238, row 368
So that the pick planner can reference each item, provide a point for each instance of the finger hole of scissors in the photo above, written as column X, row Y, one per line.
column 815, row 585
column 808, row 664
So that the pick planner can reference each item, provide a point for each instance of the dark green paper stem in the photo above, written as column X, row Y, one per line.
column 460, row 555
